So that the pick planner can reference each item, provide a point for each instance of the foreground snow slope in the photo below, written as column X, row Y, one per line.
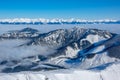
column 110, row 73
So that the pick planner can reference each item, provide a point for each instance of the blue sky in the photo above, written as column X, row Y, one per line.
column 83, row 9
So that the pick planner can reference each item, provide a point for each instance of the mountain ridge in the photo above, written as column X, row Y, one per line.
column 74, row 48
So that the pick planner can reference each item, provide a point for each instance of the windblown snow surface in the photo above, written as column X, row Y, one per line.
column 110, row 73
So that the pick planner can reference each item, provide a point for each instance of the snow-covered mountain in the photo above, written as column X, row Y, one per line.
column 56, row 21
column 24, row 33
column 73, row 48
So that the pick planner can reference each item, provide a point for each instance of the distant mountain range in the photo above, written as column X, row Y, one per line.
column 56, row 21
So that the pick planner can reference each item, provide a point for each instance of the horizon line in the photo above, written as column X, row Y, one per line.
column 25, row 18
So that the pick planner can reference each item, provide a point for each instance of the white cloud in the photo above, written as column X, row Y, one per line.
column 9, row 50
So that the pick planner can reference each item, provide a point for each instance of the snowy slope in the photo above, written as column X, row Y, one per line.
column 110, row 73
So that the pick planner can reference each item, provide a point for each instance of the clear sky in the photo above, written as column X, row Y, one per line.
column 83, row 9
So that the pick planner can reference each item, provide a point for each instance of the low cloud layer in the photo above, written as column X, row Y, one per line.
column 9, row 50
